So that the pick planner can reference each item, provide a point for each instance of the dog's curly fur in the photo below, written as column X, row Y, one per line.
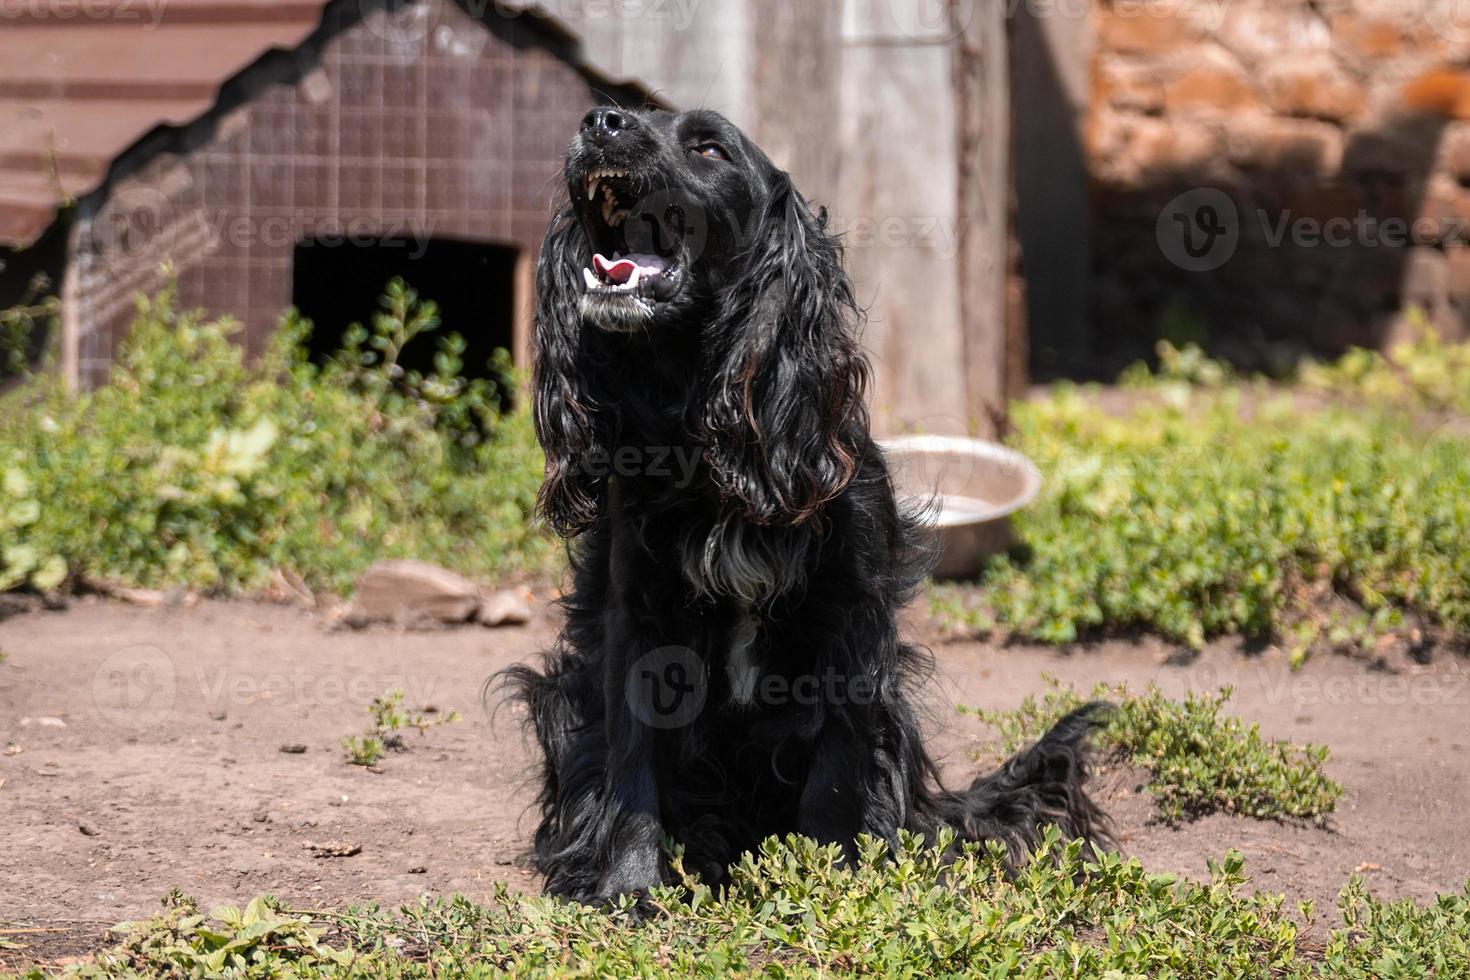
column 776, row 566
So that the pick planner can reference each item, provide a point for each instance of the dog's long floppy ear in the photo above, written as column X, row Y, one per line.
column 786, row 415
column 569, row 422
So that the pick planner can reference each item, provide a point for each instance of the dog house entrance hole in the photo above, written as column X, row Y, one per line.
column 336, row 284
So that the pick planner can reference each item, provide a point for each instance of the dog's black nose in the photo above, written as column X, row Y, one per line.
column 603, row 125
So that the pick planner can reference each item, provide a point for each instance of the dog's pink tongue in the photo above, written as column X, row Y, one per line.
column 617, row 272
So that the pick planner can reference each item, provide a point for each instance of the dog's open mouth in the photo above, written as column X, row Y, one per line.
column 630, row 259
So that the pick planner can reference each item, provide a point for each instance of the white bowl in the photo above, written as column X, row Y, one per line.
column 975, row 485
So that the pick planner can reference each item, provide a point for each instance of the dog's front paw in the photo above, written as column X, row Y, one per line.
column 637, row 874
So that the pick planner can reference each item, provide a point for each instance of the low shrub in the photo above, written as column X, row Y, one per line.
column 1223, row 507
column 796, row 910
column 194, row 466
column 1198, row 762
column 23, row 325
column 1427, row 374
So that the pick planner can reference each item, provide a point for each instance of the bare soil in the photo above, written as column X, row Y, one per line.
column 143, row 750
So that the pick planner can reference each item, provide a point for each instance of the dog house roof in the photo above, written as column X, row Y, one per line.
column 83, row 81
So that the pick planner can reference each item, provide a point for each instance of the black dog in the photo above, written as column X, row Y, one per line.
column 730, row 667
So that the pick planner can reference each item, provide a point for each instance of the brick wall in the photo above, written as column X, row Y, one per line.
column 1332, row 136
column 391, row 129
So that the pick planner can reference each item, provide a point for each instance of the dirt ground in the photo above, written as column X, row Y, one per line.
column 144, row 751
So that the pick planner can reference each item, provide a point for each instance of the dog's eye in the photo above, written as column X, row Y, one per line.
column 712, row 151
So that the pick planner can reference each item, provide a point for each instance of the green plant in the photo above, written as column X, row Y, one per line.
column 1201, row 510
column 1181, row 323
column 1425, row 373
column 464, row 410
column 797, row 909
column 195, row 467
column 19, row 325
column 1198, row 762
column 1398, row 939
column 1187, row 365
column 390, row 720
column 258, row 941
column 363, row 750
column 22, row 562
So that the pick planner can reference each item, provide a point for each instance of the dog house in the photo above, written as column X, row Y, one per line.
column 277, row 153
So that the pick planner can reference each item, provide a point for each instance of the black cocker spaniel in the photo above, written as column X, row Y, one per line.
column 731, row 666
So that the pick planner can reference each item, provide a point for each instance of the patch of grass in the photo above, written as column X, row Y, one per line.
column 258, row 941
column 795, row 910
column 194, row 467
column 1210, row 506
column 20, row 325
column 390, row 721
column 1424, row 375
column 363, row 750
column 1198, row 762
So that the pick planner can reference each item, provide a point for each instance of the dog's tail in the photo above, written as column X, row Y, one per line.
column 1045, row 783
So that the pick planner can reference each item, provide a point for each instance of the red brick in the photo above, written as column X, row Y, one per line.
column 1264, row 32
column 1367, row 38
column 1443, row 92
column 1426, row 278
column 1125, row 86
column 1296, row 146
column 1454, row 152
column 1135, row 151
column 1144, row 29
column 1215, row 83
column 1315, row 89
column 1447, row 205
column 1459, row 274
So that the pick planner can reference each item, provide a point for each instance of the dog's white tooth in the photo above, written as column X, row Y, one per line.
column 592, row 281
column 592, row 187
column 636, row 277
